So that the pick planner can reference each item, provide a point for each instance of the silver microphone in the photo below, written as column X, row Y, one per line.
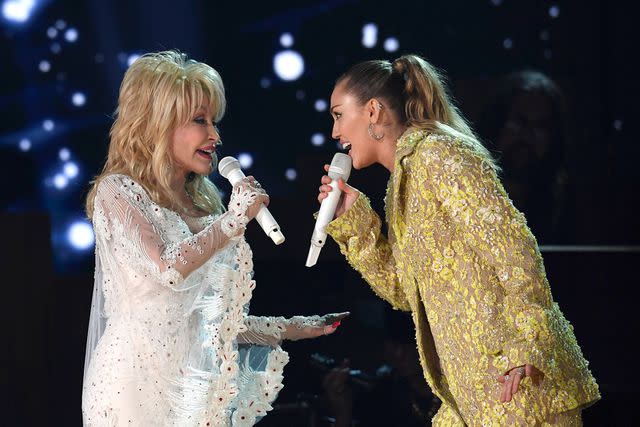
column 340, row 168
column 229, row 168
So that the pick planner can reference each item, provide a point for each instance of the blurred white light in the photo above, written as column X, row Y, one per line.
column 60, row 24
column 55, row 48
column 617, row 124
column 288, row 65
column 496, row 2
column 554, row 11
column 25, row 144
column 286, row 40
column 71, row 35
column 317, row 139
column 48, row 125
column 369, row 35
column 265, row 82
column 78, row 99
column 60, row 181
column 70, row 170
column 246, row 160
column 17, row 10
column 320, row 105
column 44, row 66
column 132, row 58
column 507, row 43
column 300, row 94
column 80, row 235
column 291, row 174
column 64, row 154
column 52, row 32
column 391, row 44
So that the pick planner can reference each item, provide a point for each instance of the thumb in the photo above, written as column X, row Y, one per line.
column 344, row 187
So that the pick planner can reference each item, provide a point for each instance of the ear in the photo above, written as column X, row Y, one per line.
column 373, row 107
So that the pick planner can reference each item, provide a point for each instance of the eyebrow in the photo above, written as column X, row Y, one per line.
column 334, row 106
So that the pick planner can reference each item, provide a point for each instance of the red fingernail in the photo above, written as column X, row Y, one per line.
column 335, row 324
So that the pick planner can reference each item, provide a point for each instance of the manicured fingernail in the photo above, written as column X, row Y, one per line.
column 335, row 324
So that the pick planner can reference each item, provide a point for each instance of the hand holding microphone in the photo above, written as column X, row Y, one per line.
column 229, row 168
column 330, row 199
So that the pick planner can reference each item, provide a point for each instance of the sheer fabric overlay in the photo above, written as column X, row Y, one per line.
column 170, row 340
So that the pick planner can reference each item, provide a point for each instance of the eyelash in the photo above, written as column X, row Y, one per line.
column 202, row 121
column 337, row 115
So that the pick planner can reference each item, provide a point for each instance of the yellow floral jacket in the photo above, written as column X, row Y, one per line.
column 461, row 258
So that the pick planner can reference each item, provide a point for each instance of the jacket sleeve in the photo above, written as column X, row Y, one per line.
column 358, row 234
column 473, row 198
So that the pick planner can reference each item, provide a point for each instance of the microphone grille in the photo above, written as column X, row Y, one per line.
column 340, row 166
column 228, row 164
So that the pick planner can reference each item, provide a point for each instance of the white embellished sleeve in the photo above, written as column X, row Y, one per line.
column 123, row 212
column 271, row 331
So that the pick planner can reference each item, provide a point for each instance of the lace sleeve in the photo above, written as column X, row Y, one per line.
column 268, row 330
column 123, row 214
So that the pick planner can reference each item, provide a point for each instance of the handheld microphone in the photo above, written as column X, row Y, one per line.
column 229, row 168
column 340, row 168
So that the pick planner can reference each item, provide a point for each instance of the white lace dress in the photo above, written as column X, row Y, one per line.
column 170, row 339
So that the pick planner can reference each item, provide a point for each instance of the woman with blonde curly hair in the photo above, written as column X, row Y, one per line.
column 170, row 339
column 494, row 346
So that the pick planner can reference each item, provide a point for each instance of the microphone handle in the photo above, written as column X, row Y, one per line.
column 326, row 214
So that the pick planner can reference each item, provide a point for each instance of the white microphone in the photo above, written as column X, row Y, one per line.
column 229, row 168
column 340, row 168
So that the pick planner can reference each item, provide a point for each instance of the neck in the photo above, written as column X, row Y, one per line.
column 387, row 147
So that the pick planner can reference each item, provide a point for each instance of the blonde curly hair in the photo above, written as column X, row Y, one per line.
column 160, row 92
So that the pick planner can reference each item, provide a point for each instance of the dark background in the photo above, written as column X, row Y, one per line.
column 586, row 49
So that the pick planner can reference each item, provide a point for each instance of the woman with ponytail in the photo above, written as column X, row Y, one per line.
column 494, row 346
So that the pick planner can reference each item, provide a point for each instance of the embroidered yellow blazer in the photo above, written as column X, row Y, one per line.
column 461, row 258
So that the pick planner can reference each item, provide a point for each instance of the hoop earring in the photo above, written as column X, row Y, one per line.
column 374, row 135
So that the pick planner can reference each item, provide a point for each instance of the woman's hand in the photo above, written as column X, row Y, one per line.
column 511, row 381
column 347, row 198
column 250, row 184
column 328, row 325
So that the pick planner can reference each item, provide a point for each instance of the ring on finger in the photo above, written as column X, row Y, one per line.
column 506, row 377
column 521, row 371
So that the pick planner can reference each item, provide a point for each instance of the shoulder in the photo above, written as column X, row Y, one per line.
column 116, row 185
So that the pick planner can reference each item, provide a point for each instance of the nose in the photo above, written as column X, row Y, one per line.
column 214, row 134
column 335, row 132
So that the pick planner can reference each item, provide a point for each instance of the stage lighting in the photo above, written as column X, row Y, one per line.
column 507, row 43
column 17, row 11
column 286, row 40
column 246, row 160
column 55, row 48
column 52, row 32
column 60, row 181
column 391, row 44
column 71, row 35
column 317, row 139
column 70, row 170
column 132, row 58
column 320, row 105
column 78, row 99
column 617, row 124
column 291, row 174
column 496, row 2
column 48, row 125
column 554, row 11
column 44, row 66
column 64, row 154
column 369, row 35
column 288, row 65
column 61, row 24
column 265, row 82
column 80, row 235
column 24, row 144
